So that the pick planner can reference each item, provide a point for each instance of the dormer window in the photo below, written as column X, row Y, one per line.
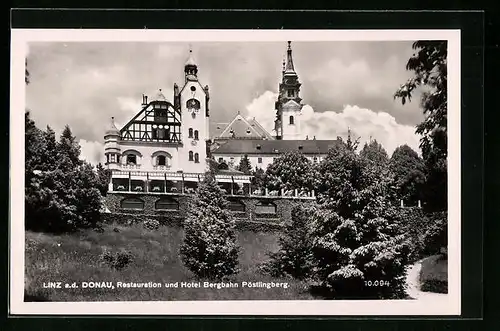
column 301, row 147
column 248, row 131
column 258, row 147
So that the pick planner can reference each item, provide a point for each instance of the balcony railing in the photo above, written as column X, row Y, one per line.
column 161, row 167
column 130, row 166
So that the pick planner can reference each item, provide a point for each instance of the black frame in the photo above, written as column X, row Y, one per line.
column 472, row 25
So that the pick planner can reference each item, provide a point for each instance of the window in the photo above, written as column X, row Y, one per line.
column 193, row 88
column 160, row 115
column 265, row 207
column 113, row 157
column 196, row 158
column 195, row 134
column 315, row 159
column 161, row 160
column 291, row 120
column 190, row 134
column 166, row 204
column 231, row 159
column 107, row 158
column 235, row 205
column 221, row 159
column 132, row 203
column 259, row 160
column 160, row 133
column 193, row 104
column 190, row 156
column 131, row 159
column 290, row 93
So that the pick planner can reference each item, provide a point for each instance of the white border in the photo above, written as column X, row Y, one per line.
column 19, row 40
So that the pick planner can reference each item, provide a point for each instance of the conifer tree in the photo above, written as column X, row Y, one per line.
column 294, row 257
column 69, row 147
column 210, row 248
column 245, row 165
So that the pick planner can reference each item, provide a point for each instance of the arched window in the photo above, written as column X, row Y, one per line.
column 195, row 134
column 236, row 205
column 167, row 204
column 265, row 207
column 132, row 203
column 190, row 133
column 131, row 159
column 193, row 104
column 161, row 160
column 190, row 155
column 196, row 158
column 291, row 120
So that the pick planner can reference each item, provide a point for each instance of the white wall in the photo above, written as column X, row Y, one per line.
column 254, row 158
column 199, row 122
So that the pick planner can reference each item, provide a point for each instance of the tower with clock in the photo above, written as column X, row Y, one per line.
column 192, row 99
column 289, row 104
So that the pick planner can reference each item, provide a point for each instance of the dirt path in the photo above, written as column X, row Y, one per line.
column 414, row 285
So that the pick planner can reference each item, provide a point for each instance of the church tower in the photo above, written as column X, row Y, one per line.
column 288, row 106
column 192, row 100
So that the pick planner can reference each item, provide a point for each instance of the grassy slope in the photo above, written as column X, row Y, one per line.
column 434, row 274
column 76, row 257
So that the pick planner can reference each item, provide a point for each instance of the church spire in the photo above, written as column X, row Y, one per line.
column 190, row 67
column 289, row 69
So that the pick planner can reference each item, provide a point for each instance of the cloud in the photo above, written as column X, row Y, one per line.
column 363, row 123
column 92, row 151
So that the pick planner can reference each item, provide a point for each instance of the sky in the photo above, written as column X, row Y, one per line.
column 345, row 85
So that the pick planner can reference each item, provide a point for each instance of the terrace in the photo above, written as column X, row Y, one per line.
column 175, row 183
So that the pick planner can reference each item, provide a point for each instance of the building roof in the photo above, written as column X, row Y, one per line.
column 241, row 128
column 112, row 129
column 190, row 61
column 292, row 105
column 255, row 146
column 159, row 96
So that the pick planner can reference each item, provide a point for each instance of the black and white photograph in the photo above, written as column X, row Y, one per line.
column 236, row 172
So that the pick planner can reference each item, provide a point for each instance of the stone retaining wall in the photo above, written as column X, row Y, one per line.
column 248, row 219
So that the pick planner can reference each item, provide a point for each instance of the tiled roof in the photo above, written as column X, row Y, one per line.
column 310, row 146
column 239, row 127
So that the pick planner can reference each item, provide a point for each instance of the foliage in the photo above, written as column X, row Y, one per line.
column 294, row 258
column 245, row 165
column 409, row 174
column 429, row 64
column 436, row 235
column 355, row 233
column 60, row 191
column 210, row 249
column 258, row 177
column 118, row 260
column 104, row 178
column 151, row 224
column 375, row 152
column 290, row 171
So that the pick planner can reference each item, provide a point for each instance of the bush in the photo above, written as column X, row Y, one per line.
column 117, row 261
column 210, row 249
column 151, row 224
column 436, row 235
column 294, row 258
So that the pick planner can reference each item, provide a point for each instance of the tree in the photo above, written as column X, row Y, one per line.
column 429, row 64
column 375, row 152
column 258, row 177
column 69, row 147
column 26, row 72
column 210, row 249
column 59, row 195
column 104, row 178
column 290, row 171
column 409, row 173
column 294, row 257
column 356, row 240
column 245, row 165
